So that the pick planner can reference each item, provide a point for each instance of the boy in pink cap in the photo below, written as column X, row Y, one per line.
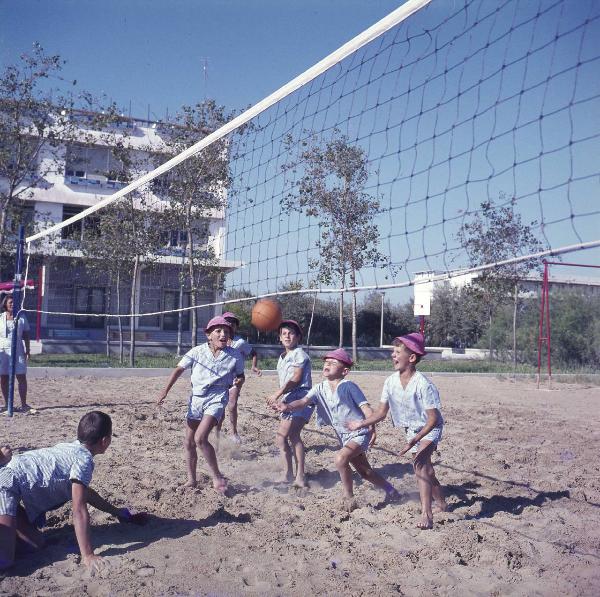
column 294, row 371
column 216, row 367
column 338, row 402
column 414, row 402
column 247, row 350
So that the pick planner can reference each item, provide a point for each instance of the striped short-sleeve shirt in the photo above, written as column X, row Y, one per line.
column 43, row 477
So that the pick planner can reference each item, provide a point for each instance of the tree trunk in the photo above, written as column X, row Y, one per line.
column 354, row 346
column 312, row 316
column 119, row 321
column 515, row 307
column 490, row 339
column 108, row 320
column 192, row 272
column 132, row 317
column 341, row 322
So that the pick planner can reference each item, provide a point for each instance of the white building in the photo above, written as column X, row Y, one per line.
column 62, row 282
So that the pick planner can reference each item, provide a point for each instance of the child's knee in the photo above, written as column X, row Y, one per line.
column 281, row 440
column 340, row 459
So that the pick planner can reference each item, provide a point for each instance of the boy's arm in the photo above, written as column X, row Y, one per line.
column 26, row 340
column 378, row 415
column 432, row 419
column 255, row 368
column 368, row 412
column 175, row 375
column 81, row 522
column 292, row 406
column 122, row 514
column 289, row 385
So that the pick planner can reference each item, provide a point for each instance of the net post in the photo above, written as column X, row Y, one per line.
column 16, row 313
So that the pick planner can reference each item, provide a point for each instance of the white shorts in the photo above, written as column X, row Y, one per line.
column 213, row 405
column 21, row 364
column 358, row 437
column 10, row 495
column 434, row 436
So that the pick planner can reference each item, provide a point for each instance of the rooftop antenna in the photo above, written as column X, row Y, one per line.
column 204, row 62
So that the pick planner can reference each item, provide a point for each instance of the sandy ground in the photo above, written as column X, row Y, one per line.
column 520, row 467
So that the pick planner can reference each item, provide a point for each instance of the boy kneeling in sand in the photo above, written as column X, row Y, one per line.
column 339, row 401
column 48, row 478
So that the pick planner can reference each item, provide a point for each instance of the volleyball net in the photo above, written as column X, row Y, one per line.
column 359, row 174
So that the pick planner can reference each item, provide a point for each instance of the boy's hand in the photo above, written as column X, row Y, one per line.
column 257, row 371
column 161, row 398
column 373, row 435
column 353, row 425
column 5, row 455
column 280, row 407
column 406, row 448
column 273, row 399
column 125, row 516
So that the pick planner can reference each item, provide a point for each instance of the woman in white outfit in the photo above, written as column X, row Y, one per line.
column 7, row 323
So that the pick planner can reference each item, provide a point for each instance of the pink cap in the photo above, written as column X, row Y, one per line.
column 414, row 342
column 230, row 315
column 339, row 354
column 290, row 323
column 215, row 321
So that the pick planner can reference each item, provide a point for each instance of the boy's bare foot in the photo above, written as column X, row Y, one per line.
column 235, row 438
column 425, row 523
column 440, row 507
column 191, row 484
column 349, row 504
column 5, row 455
column 300, row 483
column 220, row 485
column 392, row 496
column 285, row 478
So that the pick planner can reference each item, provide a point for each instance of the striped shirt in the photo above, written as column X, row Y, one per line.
column 212, row 373
column 336, row 408
column 408, row 405
column 286, row 367
column 44, row 476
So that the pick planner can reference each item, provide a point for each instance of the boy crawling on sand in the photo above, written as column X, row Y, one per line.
column 415, row 404
column 46, row 479
column 339, row 401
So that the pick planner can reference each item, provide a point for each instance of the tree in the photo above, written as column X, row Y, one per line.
column 195, row 190
column 494, row 234
column 333, row 175
column 34, row 125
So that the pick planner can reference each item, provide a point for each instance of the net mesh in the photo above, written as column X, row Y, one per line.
column 365, row 175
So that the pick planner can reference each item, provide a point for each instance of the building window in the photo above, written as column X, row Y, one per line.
column 89, row 300
column 171, row 301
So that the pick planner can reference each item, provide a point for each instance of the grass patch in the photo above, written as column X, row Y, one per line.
column 434, row 366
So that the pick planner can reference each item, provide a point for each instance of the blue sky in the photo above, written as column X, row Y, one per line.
column 151, row 55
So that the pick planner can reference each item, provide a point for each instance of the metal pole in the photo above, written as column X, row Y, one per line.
column 40, row 293
column 422, row 324
column 16, row 313
column 381, row 322
column 541, row 326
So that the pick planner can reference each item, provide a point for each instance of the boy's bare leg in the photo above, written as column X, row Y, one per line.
column 4, row 386
column 342, row 460
column 28, row 534
column 233, row 413
column 207, row 424
column 363, row 468
column 8, row 540
column 281, row 441
column 22, row 382
column 298, row 450
column 191, row 455
column 423, row 468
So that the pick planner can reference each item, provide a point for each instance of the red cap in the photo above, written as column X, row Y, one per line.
column 215, row 321
column 339, row 354
column 414, row 342
column 290, row 323
column 230, row 315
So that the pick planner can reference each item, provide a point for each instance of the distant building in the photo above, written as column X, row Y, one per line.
column 62, row 282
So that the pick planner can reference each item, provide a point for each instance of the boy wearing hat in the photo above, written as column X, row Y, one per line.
column 37, row 481
column 294, row 370
column 215, row 367
column 414, row 402
column 246, row 351
column 338, row 402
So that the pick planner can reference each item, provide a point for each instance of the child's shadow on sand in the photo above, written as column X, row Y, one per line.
column 61, row 542
column 497, row 503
